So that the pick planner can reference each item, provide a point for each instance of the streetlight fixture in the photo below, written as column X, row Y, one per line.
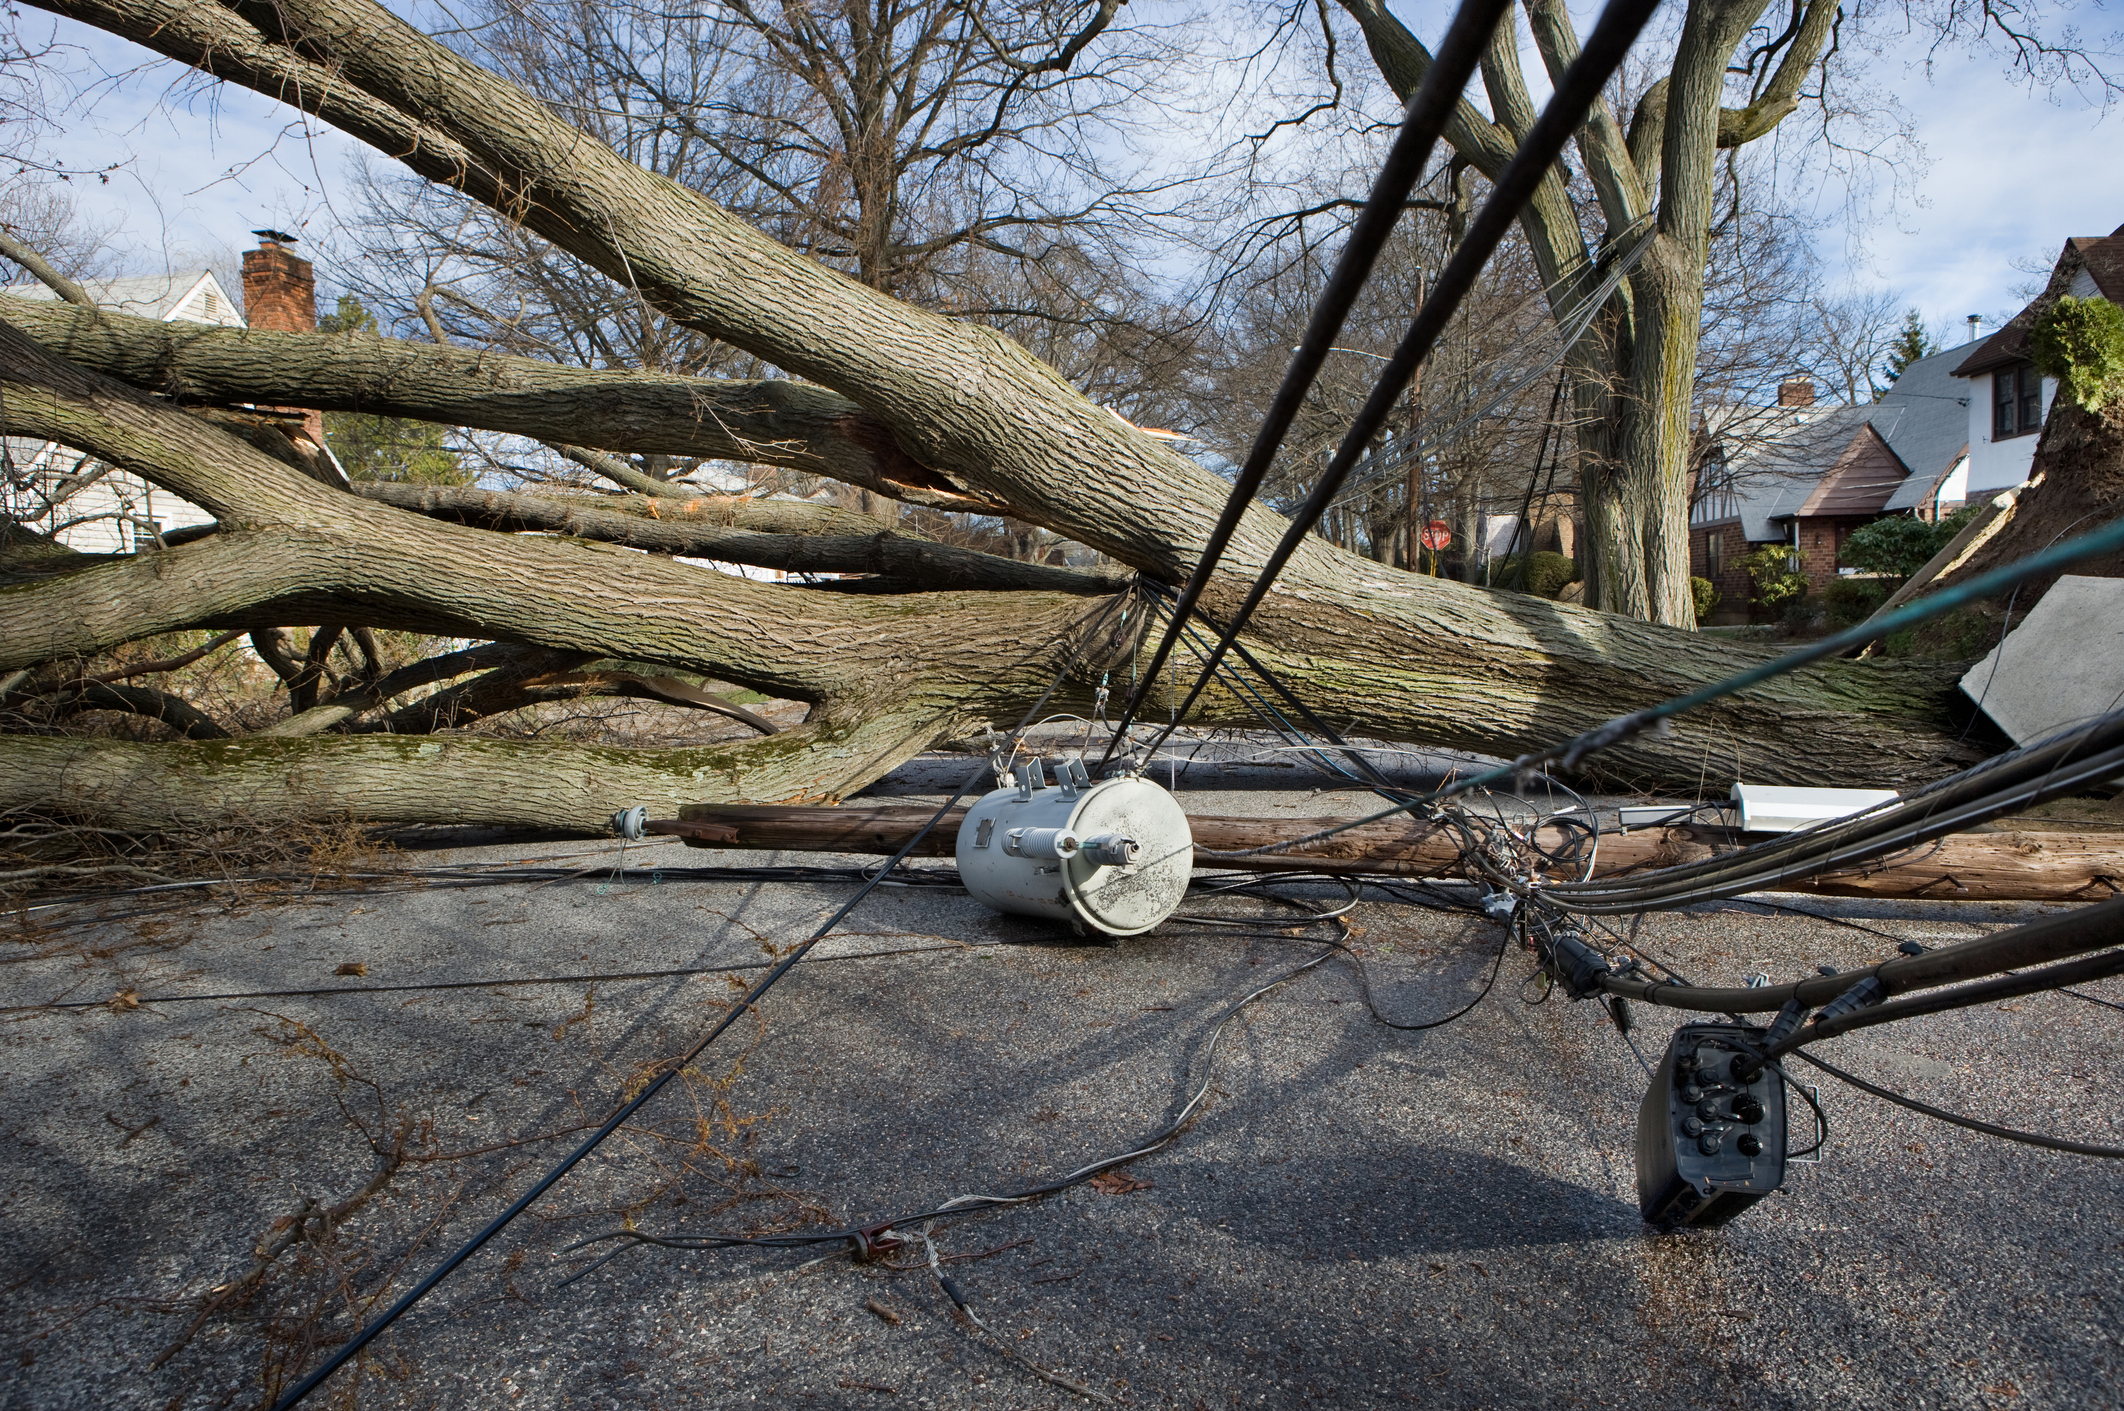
column 1380, row 357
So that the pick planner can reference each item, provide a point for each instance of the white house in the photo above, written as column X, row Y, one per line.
column 2008, row 399
column 114, row 512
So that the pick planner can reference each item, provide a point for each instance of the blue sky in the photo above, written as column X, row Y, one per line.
column 2009, row 177
column 2006, row 177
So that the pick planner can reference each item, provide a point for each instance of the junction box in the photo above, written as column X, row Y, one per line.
column 1710, row 1131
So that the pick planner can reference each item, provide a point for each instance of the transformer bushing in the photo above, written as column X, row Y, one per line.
column 1112, row 857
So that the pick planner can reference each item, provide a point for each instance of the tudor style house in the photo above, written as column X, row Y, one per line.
column 1954, row 426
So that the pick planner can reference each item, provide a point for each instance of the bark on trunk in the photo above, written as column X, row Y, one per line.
column 447, row 779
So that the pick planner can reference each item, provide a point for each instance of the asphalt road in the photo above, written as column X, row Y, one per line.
column 1360, row 1217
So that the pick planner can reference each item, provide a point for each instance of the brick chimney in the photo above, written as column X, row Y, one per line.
column 280, row 295
column 1792, row 392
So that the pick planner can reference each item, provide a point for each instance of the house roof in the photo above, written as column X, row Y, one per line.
column 1880, row 457
column 192, row 295
column 2099, row 258
column 1924, row 417
column 1861, row 481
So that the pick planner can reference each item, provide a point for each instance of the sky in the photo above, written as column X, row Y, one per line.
column 2009, row 177
column 2006, row 176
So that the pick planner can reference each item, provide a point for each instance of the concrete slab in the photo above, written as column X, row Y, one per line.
column 1360, row 1218
column 2062, row 665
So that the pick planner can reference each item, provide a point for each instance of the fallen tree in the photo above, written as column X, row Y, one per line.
column 901, row 401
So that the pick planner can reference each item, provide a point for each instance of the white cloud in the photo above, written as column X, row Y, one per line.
column 2010, row 176
column 198, row 166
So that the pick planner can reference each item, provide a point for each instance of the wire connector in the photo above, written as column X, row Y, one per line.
column 1499, row 906
column 1867, row 991
column 1577, row 965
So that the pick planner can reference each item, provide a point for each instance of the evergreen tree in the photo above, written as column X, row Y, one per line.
column 386, row 447
column 1911, row 343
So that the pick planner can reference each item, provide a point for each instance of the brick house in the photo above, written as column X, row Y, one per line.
column 1805, row 476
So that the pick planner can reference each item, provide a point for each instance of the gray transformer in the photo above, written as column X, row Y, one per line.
column 1112, row 857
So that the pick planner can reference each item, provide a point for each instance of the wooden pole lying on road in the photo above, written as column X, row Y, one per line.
column 1995, row 866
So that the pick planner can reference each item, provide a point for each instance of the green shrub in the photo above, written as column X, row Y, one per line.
column 1705, row 594
column 1898, row 546
column 1778, row 588
column 1547, row 573
column 1902, row 544
column 1849, row 601
column 2080, row 342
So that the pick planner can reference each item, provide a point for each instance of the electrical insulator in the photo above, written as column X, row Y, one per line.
column 1112, row 857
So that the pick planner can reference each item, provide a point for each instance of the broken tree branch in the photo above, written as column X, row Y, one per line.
column 174, row 711
column 696, row 534
column 42, row 271
column 776, row 422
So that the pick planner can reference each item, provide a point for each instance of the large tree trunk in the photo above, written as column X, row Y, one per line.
column 1632, row 371
column 944, row 408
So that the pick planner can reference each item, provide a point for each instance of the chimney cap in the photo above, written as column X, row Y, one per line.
column 278, row 236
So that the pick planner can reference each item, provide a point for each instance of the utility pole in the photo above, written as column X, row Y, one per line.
column 1415, row 517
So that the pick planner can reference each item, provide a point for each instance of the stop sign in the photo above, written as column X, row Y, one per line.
column 1437, row 534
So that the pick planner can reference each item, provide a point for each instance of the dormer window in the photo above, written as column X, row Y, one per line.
column 2016, row 401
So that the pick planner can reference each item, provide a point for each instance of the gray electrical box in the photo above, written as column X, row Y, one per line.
column 1710, row 1139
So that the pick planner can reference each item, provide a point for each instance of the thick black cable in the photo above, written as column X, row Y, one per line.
column 1989, row 1129
column 2049, row 977
column 627, row 1109
column 1569, row 753
column 2019, row 779
column 1873, row 844
column 1425, row 118
column 1581, row 86
column 2051, row 938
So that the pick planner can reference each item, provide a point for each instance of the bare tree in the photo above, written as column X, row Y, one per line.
column 954, row 154
column 1738, row 69
column 898, row 399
